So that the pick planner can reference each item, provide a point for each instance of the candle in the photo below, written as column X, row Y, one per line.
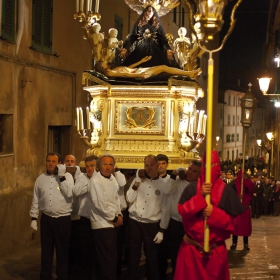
column 88, row 121
column 81, row 119
column 78, row 119
column 77, row 6
column 190, row 130
column 81, row 5
column 96, row 6
column 196, row 122
column 204, row 124
column 200, row 121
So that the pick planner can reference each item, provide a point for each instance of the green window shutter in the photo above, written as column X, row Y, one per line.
column 42, row 17
column 8, row 20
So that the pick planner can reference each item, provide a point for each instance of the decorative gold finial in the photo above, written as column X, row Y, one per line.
column 162, row 6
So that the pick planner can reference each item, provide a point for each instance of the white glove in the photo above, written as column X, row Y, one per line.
column 158, row 238
column 120, row 178
column 34, row 224
column 77, row 173
column 61, row 169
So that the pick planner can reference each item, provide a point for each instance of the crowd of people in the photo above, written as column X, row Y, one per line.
column 102, row 220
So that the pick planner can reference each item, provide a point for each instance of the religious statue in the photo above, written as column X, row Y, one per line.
column 182, row 45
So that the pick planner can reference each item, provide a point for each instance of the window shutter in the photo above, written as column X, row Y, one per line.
column 8, row 20
column 42, row 25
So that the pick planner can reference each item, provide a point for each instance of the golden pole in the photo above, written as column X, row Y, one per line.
column 243, row 160
column 272, row 159
column 209, row 141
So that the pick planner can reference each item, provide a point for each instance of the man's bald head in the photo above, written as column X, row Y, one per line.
column 70, row 160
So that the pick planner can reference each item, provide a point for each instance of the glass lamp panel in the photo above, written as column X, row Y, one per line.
column 264, row 84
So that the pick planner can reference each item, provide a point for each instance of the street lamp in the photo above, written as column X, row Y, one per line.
column 209, row 16
column 248, row 105
column 270, row 137
column 259, row 142
column 264, row 85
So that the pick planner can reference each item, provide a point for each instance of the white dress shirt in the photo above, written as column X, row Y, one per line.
column 105, row 198
column 52, row 197
column 174, row 189
column 81, row 191
column 148, row 204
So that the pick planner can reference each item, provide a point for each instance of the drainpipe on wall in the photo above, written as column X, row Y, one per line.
column 21, row 15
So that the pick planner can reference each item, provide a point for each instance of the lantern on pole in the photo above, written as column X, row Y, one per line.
column 248, row 105
column 209, row 16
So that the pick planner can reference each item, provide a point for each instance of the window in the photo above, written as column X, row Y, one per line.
column 232, row 137
column 119, row 26
column 42, row 17
column 233, row 120
column 228, row 138
column 58, row 139
column 6, row 133
column 175, row 15
column 237, row 137
column 238, row 122
column 234, row 101
column 8, row 20
column 228, row 120
column 221, row 114
column 229, row 97
column 183, row 17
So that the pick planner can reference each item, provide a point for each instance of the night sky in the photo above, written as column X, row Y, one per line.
column 241, row 57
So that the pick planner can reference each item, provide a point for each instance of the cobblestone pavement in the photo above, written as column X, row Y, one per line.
column 261, row 262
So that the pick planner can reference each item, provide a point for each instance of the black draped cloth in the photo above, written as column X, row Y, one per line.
column 146, row 40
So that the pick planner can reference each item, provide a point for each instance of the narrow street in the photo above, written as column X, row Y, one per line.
column 261, row 262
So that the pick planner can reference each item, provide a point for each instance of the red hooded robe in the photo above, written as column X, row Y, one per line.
column 192, row 264
column 243, row 223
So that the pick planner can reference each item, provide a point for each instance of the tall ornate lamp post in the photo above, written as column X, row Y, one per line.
column 248, row 105
column 264, row 85
column 270, row 137
column 209, row 16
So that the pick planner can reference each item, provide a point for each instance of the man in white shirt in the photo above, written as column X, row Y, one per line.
column 105, row 217
column 74, row 170
column 175, row 188
column 82, row 241
column 162, row 166
column 147, row 219
column 53, row 197
column 164, row 252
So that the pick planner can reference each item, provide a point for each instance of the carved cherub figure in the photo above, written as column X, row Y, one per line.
column 113, row 44
column 97, row 39
column 182, row 45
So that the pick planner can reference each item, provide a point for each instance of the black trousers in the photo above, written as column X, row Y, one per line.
column 106, row 253
column 143, row 233
column 256, row 207
column 235, row 239
column 122, row 239
column 55, row 234
column 265, row 206
column 169, row 248
column 81, row 250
